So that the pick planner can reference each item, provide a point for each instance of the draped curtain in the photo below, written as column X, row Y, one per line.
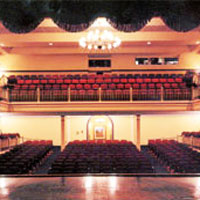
column 23, row 16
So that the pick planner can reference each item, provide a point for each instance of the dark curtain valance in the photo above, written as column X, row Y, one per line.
column 23, row 16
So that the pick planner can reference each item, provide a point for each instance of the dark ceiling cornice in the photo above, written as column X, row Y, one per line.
column 23, row 16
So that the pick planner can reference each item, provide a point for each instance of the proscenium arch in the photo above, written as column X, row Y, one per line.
column 100, row 116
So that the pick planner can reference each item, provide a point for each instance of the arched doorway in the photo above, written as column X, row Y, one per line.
column 100, row 128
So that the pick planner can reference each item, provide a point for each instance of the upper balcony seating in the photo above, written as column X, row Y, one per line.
column 110, row 156
column 191, row 138
column 8, row 140
column 85, row 87
column 23, row 158
column 177, row 156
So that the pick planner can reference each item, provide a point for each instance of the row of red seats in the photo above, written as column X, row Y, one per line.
column 178, row 157
column 100, row 80
column 101, row 156
column 24, row 158
column 93, row 76
column 189, row 134
column 8, row 140
column 102, row 86
column 100, row 142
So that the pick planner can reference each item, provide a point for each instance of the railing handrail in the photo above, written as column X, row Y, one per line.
column 159, row 94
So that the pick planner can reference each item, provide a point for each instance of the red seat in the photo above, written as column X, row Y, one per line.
column 127, row 86
column 167, row 85
column 29, row 81
column 178, row 80
column 79, row 86
column 32, row 87
column 99, row 80
column 56, row 86
column 174, row 85
column 90, row 92
column 72, row 86
column 106, row 75
column 143, row 86
column 51, row 81
column 24, row 87
column 155, row 80
column 47, row 86
column 64, row 86
column 68, row 81
column 17, row 87
column 83, row 81
column 104, row 86
column 123, row 80
column 75, row 81
column 163, row 80
column 147, row 80
column 151, row 85
column 20, row 81
column 170, row 80
column 158, row 85
column 95, row 86
column 82, row 92
column 120, row 86
column 136, row 86
column 36, row 81
column 43, row 81
column 91, row 80
column 108, row 80
column 112, row 86
column 87, row 86
column 59, row 81
column 139, row 80
column 131, row 80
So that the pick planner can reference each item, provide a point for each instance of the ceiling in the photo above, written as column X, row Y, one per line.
column 47, row 38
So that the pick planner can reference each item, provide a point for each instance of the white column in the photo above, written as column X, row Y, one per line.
column 138, row 132
column 62, row 132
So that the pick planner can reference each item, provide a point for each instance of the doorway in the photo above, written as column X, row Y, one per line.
column 100, row 128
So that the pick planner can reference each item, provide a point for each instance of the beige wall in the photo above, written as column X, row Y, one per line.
column 166, row 126
column 44, row 128
column 152, row 126
column 80, row 62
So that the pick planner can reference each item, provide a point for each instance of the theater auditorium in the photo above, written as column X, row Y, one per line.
column 99, row 99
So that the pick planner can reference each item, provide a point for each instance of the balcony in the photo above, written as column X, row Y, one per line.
column 99, row 101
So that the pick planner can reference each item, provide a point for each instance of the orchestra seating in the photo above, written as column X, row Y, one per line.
column 178, row 157
column 91, row 87
column 111, row 156
column 24, row 158
column 191, row 138
column 8, row 140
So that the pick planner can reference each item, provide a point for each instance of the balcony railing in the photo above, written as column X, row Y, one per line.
column 69, row 95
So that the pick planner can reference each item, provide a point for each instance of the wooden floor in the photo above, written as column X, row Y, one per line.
column 100, row 188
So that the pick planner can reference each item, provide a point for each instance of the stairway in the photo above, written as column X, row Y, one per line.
column 158, row 168
column 43, row 169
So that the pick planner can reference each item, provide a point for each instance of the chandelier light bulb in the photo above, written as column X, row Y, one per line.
column 103, row 47
column 109, row 46
column 90, row 46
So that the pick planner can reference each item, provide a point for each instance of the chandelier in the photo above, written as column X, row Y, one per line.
column 100, row 37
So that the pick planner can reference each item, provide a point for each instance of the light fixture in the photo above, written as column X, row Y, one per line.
column 50, row 44
column 100, row 37
column 148, row 43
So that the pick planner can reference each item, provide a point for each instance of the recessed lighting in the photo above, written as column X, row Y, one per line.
column 148, row 43
column 50, row 43
column 198, row 42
